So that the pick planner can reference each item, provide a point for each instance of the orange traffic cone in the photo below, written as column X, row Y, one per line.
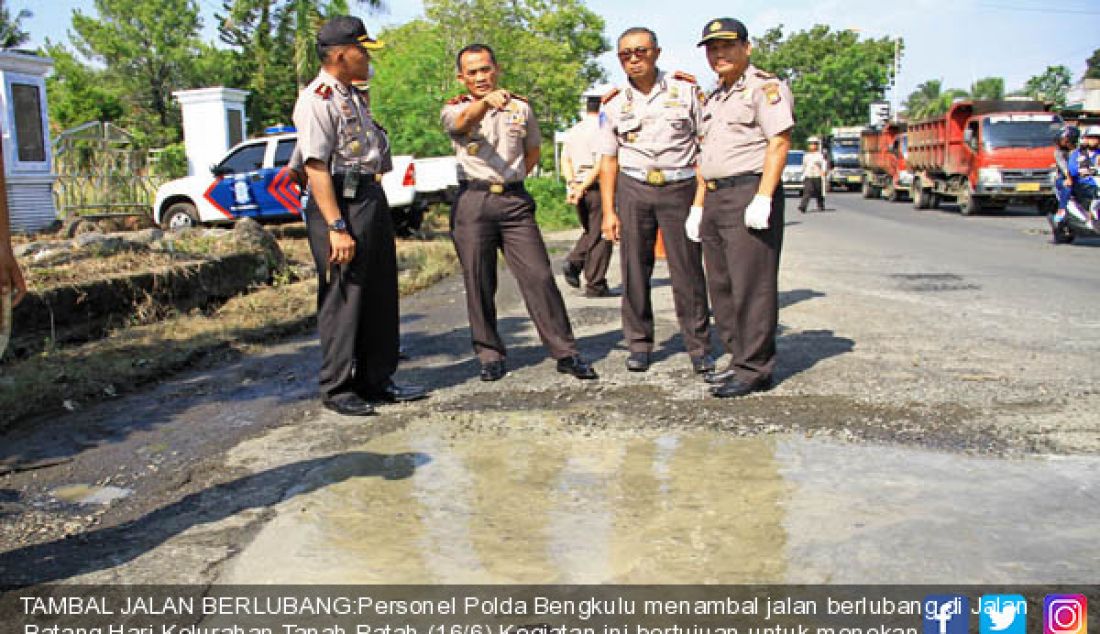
column 659, row 248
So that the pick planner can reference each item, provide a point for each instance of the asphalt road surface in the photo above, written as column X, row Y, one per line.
column 936, row 393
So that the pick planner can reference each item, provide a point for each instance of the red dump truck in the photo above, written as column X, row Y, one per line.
column 985, row 155
column 882, row 154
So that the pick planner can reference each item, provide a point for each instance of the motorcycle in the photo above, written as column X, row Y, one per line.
column 1078, row 223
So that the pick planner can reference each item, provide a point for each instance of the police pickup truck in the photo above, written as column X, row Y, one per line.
column 253, row 181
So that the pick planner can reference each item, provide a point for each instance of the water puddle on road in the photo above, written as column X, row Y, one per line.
column 90, row 495
column 524, row 497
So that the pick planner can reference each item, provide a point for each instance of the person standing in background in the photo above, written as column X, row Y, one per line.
column 580, row 162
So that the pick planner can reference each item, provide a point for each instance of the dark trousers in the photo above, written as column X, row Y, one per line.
column 811, row 190
column 742, row 275
column 642, row 210
column 591, row 252
column 483, row 224
column 356, row 302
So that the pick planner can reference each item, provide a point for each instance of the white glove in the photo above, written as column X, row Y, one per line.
column 691, row 225
column 758, row 212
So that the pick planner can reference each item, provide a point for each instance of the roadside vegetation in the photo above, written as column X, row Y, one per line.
column 160, row 340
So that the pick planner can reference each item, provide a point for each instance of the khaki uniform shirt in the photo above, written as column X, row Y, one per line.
column 581, row 148
column 655, row 131
column 813, row 165
column 494, row 150
column 738, row 121
column 335, row 126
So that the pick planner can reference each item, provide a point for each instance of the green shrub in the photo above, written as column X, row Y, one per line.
column 553, row 212
column 170, row 162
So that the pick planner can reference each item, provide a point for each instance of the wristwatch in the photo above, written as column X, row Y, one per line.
column 339, row 226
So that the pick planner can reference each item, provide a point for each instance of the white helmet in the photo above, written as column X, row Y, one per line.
column 1092, row 130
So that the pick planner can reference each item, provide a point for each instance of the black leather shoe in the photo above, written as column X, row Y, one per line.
column 637, row 362
column 394, row 393
column 348, row 405
column 493, row 371
column 572, row 274
column 578, row 367
column 702, row 364
column 716, row 377
column 735, row 388
column 602, row 291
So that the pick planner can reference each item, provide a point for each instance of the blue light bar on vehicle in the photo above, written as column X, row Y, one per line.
column 279, row 129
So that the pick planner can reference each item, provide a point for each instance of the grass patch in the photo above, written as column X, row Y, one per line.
column 553, row 213
column 130, row 357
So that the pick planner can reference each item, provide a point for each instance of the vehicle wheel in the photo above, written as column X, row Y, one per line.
column 934, row 201
column 180, row 216
column 969, row 204
column 868, row 191
column 1047, row 206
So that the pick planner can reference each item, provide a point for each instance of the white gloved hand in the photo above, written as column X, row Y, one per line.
column 691, row 225
column 758, row 212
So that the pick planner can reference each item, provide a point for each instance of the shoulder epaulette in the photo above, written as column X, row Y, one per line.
column 683, row 76
column 609, row 95
column 764, row 75
column 519, row 98
column 454, row 101
column 324, row 91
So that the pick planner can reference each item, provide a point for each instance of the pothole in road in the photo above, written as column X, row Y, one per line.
column 528, row 496
column 934, row 282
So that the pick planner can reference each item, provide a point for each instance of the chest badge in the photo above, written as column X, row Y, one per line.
column 472, row 148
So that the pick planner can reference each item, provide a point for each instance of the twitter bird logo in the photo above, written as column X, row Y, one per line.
column 1003, row 614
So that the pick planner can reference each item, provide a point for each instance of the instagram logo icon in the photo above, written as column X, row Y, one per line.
column 1065, row 614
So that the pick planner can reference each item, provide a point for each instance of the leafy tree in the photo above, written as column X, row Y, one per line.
column 1052, row 85
column 992, row 88
column 929, row 100
column 834, row 75
column 78, row 93
column 273, row 42
column 11, row 29
column 547, row 51
column 1092, row 70
column 149, row 48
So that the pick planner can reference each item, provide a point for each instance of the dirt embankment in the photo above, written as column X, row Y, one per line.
column 108, row 313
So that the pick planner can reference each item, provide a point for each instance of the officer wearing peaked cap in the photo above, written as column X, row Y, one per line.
column 746, row 128
column 344, row 153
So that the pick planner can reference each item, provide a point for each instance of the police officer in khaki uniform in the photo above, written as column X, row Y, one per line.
column 647, row 180
column 580, row 160
column 497, row 141
column 747, row 122
column 344, row 153
column 814, row 170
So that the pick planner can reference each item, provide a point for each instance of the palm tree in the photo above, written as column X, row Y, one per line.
column 305, row 18
column 929, row 99
column 11, row 31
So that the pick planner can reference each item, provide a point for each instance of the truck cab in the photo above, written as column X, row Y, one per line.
column 842, row 149
column 985, row 155
column 252, row 180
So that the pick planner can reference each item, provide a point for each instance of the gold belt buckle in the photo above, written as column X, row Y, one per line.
column 496, row 188
column 655, row 177
column 378, row 178
column 712, row 185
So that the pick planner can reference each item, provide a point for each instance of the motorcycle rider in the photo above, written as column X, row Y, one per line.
column 1082, row 169
column 1065, row 143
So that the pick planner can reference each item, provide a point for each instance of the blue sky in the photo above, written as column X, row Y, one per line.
column 955, row 41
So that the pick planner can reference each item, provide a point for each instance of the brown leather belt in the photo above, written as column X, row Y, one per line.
column 492, row 188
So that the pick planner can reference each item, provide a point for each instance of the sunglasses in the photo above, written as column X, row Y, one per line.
column 640, row 51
